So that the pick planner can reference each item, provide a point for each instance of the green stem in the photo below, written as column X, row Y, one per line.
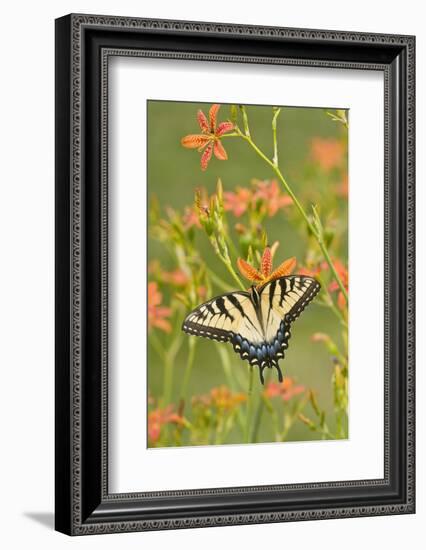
column 218, row 281
column 298, row 205
column 326, row 432
column 219, row 430
column 156, row 344
column 227, row 368
column 169, row 361
column 191, row 355
column 285, row 431
column 168, row 380
column 168, row 366
column 249, row 405
column 260, row 407
column 274, row 135
column 333, row 270
column 233, row 134
column 230, row 244
column 225, row 259
column 334, row 308
column 290, row 417
column 266, row 403
column 234, row 275
column 226, row 365
column 245, row 121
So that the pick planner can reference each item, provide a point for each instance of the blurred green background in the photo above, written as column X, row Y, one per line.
column 173, row 175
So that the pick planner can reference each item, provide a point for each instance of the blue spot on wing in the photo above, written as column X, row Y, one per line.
column 267, row 353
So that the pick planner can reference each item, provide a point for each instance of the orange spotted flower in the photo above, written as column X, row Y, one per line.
column 269, row 192
column 209, row 140
column 344, row 277
column 328, row 153
column 156, row 313
column 265, row 274
column 158, row 418
column 190, row 218
column 177, row 277
column 342, row 188
column 266, row 192
column 221, row 398
column 310, row 272
column 285, row 389
column 238, row 201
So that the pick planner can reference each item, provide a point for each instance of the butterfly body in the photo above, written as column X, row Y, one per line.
column 256, row 323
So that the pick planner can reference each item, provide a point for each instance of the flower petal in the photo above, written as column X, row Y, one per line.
column 163, row 325
column 266, row 264
column 195, row 141
column 219, row 151
column 206, row 156
column 292, row 392
column 154, row 431
column 248, row 271
column 286, row 268
column 163, row 311
column 341, row 301
column 154, row 296
column 320, row 337
column 213, row 116
column 309, row 272
column 224, row 127
column 202, row 121
column 272, row 390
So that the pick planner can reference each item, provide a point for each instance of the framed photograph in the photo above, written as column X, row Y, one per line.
column 234, row 274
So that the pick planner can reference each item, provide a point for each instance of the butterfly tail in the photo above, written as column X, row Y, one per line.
column 271, row 363
column 280, row 374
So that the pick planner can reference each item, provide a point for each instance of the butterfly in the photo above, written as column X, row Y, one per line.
column 257, row 322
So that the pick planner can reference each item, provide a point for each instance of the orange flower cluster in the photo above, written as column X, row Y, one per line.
column 265, row 275
column 313, row 271
column 222, row 398
column 342, row 272
column 320, row 337
column 342, row 188
column 190, row 218
column 177, row 277
column 208, row 142
column 287, row 389
column 160, row 417
column 328, row 153
column 238, row 201
column 157, row 315
column 266, row 192
column 344, row 277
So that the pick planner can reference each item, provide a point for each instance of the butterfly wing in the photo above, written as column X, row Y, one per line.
column 225, row 317
column 258, row 328
column 281, row 302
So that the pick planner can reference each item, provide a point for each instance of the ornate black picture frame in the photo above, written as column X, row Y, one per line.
column 84, row 44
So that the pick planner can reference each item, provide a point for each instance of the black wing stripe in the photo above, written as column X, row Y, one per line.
column 237, row 304
column 220, row 302
column 307, row 296
column 271, row 298
column 210, row 309
column 272, row 293
column 283, row 285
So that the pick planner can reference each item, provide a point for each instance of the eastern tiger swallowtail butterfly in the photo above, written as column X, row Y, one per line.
column 257, row 322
